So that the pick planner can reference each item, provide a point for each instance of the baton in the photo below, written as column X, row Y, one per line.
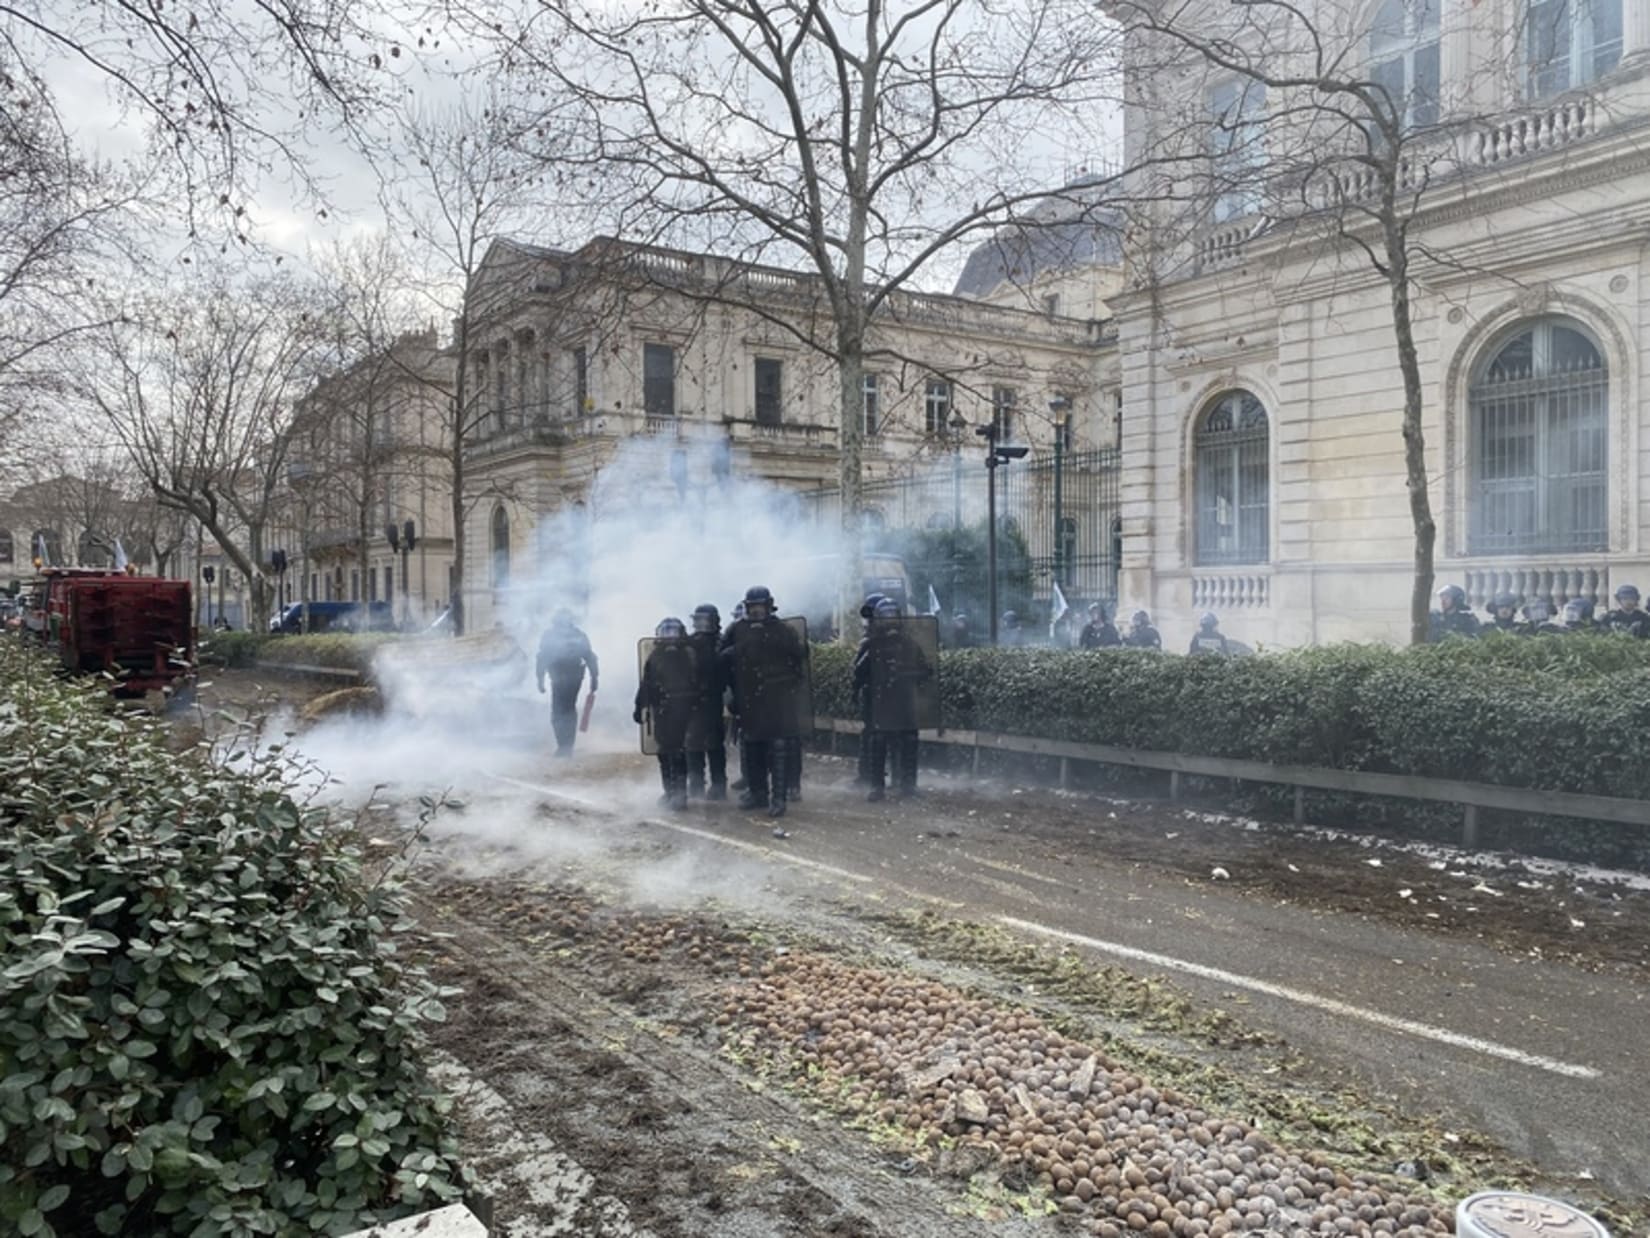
column 589, row 704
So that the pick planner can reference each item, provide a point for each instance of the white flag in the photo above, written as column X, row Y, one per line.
column 40, row 551
column 120, row 556
column 933, row 601
column 1058, row 608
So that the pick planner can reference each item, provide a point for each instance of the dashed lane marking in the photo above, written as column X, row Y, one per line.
column 1329, row 1005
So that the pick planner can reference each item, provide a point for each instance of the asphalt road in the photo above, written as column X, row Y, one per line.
column 1545, row 1057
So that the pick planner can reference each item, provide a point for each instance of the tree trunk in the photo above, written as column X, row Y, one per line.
column 456, row 446
column 1415, row 447
column 850, row 479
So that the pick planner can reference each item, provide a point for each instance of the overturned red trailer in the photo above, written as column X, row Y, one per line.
column 138, row 629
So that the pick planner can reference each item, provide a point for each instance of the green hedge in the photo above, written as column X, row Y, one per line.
column 206, row 1026
column 231, row 648
column 352, row 651
column 1562, row 713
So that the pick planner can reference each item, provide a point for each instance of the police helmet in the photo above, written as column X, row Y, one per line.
column 706, row 618
column 562, row 618
column 1208, row 621
column 886, row 608
column 759, row 595
column 1452, row 597
column 1503, row 601
column 869, row 607
column 1538, row 611
column 1140, row 619
column 670, row 629
column 1011, row 619
column 1627, row 593
column 1577, row 610
column 1097, row 608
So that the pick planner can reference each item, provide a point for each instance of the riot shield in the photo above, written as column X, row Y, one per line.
column 903, row 682
column 772, row 683
column 669, row 671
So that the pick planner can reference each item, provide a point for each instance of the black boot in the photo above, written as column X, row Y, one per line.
column 779, row 768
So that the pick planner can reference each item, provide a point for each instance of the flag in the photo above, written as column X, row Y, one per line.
column 42, row 555
column 1058, row 609
column 120, row 556
column 933, row 601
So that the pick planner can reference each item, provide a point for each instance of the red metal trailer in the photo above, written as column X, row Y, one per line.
column 139, row 629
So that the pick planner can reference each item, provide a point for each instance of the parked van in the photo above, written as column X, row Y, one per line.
column 335, row 617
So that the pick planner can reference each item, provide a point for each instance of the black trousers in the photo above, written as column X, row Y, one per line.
column 716, row 757
column 564, row 712
column 673, row 773
column 902, row 747
column 767, row 769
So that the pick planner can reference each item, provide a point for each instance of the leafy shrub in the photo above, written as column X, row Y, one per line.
column 1561, row 714
column 231, row 648
column 345, row 651
column 205, row 1024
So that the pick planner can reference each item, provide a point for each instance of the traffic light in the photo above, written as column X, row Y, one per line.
column 209, row 573
column 409, row 535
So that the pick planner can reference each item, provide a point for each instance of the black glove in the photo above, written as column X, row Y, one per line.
column 635, row 715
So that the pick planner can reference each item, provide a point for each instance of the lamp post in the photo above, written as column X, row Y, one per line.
column 1059, row 410
column 996, row 455
column 404, row 539
column 957, row 424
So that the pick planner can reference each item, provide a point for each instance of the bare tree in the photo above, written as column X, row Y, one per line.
column 64, row 222
column 1327, row 138
column 865, row 143
column 198, row 388
column 462, row 186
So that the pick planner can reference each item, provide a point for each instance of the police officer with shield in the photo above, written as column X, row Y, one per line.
column 706, row 639
column 894, row 677
column 862, row 774
column 667, row 705
column 767, row 662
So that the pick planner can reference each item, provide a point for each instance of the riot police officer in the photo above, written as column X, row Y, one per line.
column 767, row 662
column 565, row 655
column 1578, row 617
column 894, row 679
column 862, row 771
column 961, row 635
column 667, row 706
column 1628, row 619
column 1209, row 640
column 706, row 639
column 1142, row 635
column 1503, row 610
column 1538, row 620
column 1452, row 618
column 1099, row 632
column 1010, row 634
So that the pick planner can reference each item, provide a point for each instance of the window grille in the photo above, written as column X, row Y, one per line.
column 873, row 404
column 769, row 390
column 936, row 417
column 1231, row 482
column 1540, row 435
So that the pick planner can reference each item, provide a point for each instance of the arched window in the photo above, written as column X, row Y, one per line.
column 1231, row 481
column 8, row 548
column 501, row 547
column 1403, row 53
column 1540, row 442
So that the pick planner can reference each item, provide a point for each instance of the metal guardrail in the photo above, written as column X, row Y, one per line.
column 1471, row 796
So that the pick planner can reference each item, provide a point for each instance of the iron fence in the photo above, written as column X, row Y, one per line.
column 1079, row 545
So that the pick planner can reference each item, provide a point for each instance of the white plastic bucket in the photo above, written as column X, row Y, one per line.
column 1508, row 1214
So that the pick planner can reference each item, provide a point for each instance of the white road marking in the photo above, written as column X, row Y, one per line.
column 1330, row 1005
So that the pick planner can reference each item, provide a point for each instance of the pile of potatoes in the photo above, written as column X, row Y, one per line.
column 1129, row 1157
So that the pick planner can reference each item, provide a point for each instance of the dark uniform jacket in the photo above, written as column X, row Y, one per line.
column 1455, row 623
column 1628, row 623
column 1100, row 635
column 1209, row 643
column 1143, row 638
column 564, row 653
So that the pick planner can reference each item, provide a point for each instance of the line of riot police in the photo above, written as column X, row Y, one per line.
column 1454, row 617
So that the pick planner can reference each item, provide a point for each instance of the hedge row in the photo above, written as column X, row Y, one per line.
column 206, row 1026
column 1561, row 713
column 346, row 651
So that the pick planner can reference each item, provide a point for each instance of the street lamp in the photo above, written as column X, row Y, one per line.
column 403, row 539
column 1059, row 409
column 996, row 455
column 957, row 424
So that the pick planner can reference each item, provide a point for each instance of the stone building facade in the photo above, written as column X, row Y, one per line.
column 373, row 438
column 1264, row 471
column 575, row 354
